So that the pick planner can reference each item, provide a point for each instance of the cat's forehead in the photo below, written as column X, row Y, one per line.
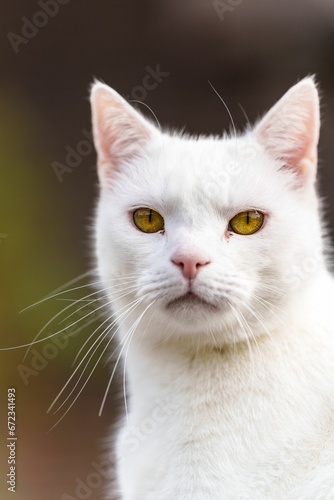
column 220, row 171
column 193, row 159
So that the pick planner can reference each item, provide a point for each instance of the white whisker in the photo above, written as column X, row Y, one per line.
column 35, row 341
column 108, row 319
column 119, row 356
column 84, row 385
column 91, row 285
column 226, row 107
column 103, row 334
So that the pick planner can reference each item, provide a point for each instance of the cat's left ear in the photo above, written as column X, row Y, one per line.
column 120, row 132
column 289, row 132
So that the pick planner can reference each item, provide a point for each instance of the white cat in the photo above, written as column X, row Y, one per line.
column 212, row 250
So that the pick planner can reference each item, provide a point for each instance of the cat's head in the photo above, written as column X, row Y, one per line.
column 206, row 236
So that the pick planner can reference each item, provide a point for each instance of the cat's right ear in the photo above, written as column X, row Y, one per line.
column 290, row 130
column 120, row 132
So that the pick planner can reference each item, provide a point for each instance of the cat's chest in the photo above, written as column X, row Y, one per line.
column 203, row 454
column 225, row 428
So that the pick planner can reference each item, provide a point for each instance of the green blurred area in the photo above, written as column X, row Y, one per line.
column 40, row 253
column 37, row 242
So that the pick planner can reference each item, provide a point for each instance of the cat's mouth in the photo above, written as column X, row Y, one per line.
column 190, row 299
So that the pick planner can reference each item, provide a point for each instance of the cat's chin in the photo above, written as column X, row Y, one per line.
column 191, row 313
column 189, row 301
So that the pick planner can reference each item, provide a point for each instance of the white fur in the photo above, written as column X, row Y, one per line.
column 233, row 401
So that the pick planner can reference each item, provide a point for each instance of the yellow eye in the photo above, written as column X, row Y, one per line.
column 148, row 220
column 247, row 222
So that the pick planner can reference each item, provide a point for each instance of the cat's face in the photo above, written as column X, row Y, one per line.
column 200, row 236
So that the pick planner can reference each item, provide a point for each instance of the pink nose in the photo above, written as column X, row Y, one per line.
column 189, row 264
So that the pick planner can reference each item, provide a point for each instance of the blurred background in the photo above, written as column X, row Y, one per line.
column 51, row 50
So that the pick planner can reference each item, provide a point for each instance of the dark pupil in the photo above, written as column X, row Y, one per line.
column 150, row 216
column 247, row 217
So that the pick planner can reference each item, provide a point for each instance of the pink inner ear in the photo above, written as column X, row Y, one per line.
column 290, row 130
column 289, row 149
column 119, row 131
